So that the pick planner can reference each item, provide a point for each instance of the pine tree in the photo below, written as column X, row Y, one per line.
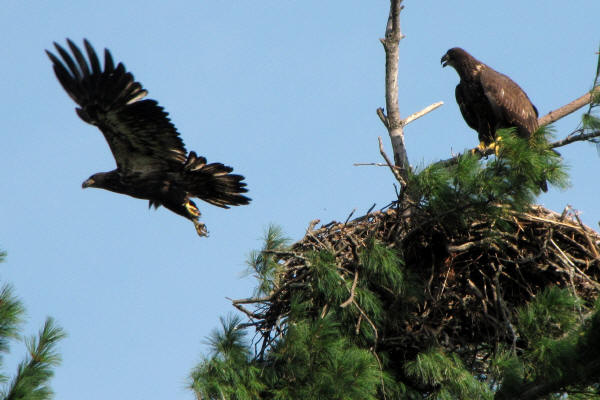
column 461, row 289
column 35, row 371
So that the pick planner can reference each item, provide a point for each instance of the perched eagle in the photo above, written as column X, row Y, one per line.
column 489, row 100
column 152, row 162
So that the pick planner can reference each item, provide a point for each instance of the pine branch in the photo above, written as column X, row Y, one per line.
column 11, row 316
column 34, row 373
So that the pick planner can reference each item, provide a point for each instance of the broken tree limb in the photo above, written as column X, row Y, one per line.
column 396, row 170
column 421, row 113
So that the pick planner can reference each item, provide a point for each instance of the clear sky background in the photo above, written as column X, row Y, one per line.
column 283, row 91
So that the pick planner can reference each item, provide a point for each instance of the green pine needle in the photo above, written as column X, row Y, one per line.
column 34, row 373
column 447, row 376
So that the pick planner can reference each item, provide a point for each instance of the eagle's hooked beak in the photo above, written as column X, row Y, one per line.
column 88, row 183
column 444, row 60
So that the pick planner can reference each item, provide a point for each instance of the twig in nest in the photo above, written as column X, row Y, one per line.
column 503, row 309
column 312, row 225
column 283, row 253
column 248, row 312
column 587, row 237
column 571, row 273
column 371, row 209
column 250, row 300
column 565, row 258
column 350, row 216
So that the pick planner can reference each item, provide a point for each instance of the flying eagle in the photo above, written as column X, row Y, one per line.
column 152, row 162
column 489, row 100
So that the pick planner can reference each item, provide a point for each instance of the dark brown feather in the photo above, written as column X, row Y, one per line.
column 489, row 100
column 152, row 162
column 138, row 132
column 509, row 102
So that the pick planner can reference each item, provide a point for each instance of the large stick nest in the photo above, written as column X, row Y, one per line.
column 473, row 281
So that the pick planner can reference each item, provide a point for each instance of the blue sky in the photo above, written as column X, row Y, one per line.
column 283, row 91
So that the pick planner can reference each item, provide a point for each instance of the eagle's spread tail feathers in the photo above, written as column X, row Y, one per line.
column 214, row 183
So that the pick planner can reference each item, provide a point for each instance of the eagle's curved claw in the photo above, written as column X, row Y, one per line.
column 201, row 229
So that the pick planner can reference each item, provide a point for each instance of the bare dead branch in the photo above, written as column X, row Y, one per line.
column 567, row 109
column 374, row 164
column 250, row 300
column 383, row 118
column 574, row 138
column 249, row 313
column 396, row 170
column 421, row 113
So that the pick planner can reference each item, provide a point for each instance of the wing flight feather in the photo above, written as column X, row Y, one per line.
column 139, row 132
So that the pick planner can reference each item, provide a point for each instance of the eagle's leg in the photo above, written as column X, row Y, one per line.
column 194, row 215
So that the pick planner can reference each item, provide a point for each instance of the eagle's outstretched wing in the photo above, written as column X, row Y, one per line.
column 140, row 135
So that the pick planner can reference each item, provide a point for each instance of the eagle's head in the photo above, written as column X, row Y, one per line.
column 90, row 182
column 453, row 56
column 102, row 180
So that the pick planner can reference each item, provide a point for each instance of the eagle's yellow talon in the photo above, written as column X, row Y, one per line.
column 480, row 149
column 192, row 209
column 495, row 145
